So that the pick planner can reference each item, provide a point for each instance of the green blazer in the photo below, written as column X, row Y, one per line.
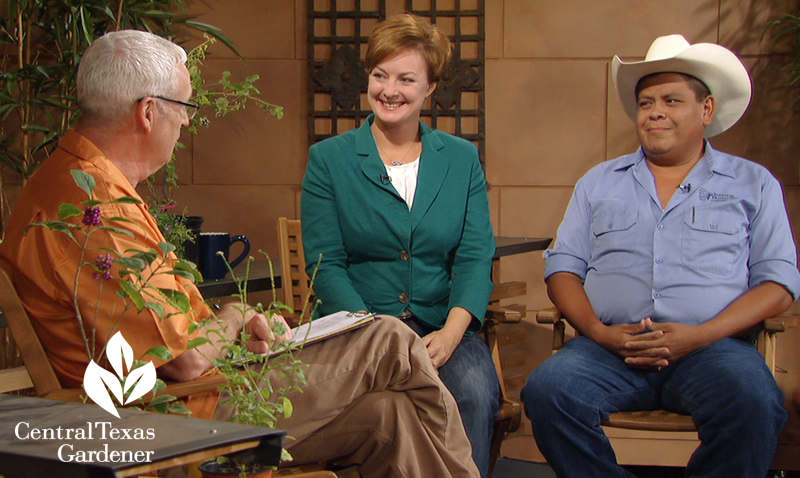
column 379, row 256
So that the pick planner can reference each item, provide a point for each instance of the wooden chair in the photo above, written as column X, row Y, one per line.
column 295, row 284
column 649, row 421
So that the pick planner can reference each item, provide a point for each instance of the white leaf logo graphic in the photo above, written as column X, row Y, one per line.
column 146, row 376
column 93, row 381
column 98, row 382
column 116, row 350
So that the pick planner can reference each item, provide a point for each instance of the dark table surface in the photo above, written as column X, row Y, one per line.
column 259, row 278
column 175, row 439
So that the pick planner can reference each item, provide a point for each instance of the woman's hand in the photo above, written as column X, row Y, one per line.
column 262, row 332
column 441, row 344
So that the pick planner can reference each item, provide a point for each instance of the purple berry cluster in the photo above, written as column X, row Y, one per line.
column 104, row 263
column 92, row 216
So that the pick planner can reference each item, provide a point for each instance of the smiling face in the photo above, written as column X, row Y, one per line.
column 398, row 87
column 671, row 121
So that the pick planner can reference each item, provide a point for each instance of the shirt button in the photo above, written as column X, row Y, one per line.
column 659, row 261
column 661, row 226
column 713, row 225
column 610, row 226
column 403, row 298
column 404, row 255
column 657, row 295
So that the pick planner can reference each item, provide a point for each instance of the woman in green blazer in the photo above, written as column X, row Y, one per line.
column 400, row 214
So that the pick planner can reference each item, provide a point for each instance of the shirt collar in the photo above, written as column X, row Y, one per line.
column 712, row 159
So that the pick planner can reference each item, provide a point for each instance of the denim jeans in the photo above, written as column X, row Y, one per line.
column 472, row 379
column 726, row 387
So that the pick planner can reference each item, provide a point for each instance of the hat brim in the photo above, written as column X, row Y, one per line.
column 719, row 68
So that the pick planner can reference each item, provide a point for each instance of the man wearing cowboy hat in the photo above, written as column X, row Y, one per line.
column 665, row 260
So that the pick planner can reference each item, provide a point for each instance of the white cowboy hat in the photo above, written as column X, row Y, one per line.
column 719, row 68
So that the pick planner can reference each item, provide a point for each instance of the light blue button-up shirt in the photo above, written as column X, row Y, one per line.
column 724, row 231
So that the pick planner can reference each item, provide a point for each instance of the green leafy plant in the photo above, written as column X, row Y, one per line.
column 174, row 228
column 220, row 98
column 788, row 26
column 257, row 398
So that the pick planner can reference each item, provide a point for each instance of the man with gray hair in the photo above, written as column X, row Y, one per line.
column 665, row 262
column 372, row 397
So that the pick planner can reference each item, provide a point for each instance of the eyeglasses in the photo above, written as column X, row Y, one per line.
column 191, row 107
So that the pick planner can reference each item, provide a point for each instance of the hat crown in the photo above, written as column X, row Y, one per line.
column 668, row 46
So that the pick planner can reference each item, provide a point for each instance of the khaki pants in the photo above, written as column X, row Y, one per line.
column 374, row 399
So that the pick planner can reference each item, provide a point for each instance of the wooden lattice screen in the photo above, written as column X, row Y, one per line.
column 337, row 36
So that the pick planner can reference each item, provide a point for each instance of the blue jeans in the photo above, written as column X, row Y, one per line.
column 726, row 387
column 472, row 379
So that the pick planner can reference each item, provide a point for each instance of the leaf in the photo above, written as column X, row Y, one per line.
column 166, row 247
column 198, row 342
column 288, row 407
column 84, row 181
column 133, row 294
column 157, row 308
column 93, row 382
column 118, row 350
column 66, row 211
column 160, row 352
column 177, row 299
column 145, row 379
column 161, row 399
column 179, row 408
column 126, row 200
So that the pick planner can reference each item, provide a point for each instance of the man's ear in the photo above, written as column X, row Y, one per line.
column 145, row 112
column 709, row 109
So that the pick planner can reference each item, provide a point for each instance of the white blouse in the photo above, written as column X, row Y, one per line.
column 404, row 180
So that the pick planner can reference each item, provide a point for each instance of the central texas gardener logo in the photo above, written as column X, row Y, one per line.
column 98, row 381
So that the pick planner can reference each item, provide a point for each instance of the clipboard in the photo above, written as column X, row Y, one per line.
column 325, row 328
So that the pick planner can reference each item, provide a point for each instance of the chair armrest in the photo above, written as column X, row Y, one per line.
column 549, row 316
column 503, row 315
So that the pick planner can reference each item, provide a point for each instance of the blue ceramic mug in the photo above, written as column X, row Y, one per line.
column 211, row 264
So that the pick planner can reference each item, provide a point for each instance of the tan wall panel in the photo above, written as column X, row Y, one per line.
column 249, row 210
column 250, row 146
column 260, row 29
column 586, row 28
column 545, row 121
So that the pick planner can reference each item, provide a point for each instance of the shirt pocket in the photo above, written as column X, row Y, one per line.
column 613, row 234
column 713, row 239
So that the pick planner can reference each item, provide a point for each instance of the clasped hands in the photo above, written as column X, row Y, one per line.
column 650, row 345
column 263, row 332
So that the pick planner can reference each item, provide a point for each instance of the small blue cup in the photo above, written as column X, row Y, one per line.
column 211, row 264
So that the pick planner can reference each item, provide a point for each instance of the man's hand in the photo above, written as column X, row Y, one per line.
column 639, row 347
column 677, row 340
column 262, row 332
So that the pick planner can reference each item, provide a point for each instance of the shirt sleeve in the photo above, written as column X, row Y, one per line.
column 773, row 253
column 572, row 250
column 99, row 301
column 322, row 234
column 472, row 265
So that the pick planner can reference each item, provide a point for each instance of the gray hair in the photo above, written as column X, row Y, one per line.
column 122, row 67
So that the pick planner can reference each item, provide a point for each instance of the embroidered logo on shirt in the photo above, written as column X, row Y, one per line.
column 709, row 196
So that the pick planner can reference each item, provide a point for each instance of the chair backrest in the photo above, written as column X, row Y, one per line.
column 37, row 365
column 295, row 283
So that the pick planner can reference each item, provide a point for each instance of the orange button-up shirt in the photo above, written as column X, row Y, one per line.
column 45, row 266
